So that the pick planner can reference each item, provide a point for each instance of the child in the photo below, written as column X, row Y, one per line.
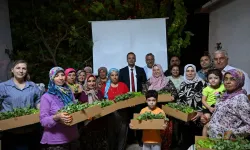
column 151, row 138
column 211, row 94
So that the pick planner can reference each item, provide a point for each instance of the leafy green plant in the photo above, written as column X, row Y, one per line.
column 222, row 144
column 127, row 96
column 204, row 143
column 103, row 103
column 183, row 108
column 18, row 112
column 149, row 116
column 45, row 33
column 72, row 108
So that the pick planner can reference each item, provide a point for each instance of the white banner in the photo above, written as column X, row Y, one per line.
column 114, row 39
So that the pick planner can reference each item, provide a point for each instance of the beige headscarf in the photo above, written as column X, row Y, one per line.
column 90, row 92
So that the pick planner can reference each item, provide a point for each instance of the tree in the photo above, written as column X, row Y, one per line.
column 57, row 32
column 142, row 9
column 49, row 35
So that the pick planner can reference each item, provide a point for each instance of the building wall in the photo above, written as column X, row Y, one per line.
column 5, row 39
column 230, row 25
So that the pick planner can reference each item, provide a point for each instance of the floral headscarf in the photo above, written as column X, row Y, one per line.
column 240, row 79
column 90, row 92
column 108, row 83
column 195, row 79
column 63, row 92
column 159, row 82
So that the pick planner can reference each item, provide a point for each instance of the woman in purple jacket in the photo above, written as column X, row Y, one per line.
column 57, row 135
column 90, row 92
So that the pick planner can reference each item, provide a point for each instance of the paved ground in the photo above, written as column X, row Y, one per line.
column 134, row 147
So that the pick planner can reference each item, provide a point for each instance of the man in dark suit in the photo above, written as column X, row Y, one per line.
column 134, row 77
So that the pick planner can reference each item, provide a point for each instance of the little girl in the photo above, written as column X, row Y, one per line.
column 211, row 95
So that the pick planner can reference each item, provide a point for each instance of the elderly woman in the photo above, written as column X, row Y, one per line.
column 88, row 70
column 70, row 75
column 18, row 92
column 191, row 94
column 102, row 77
column 233, row 110
column 159, row 82
column 80, row 77
column 90, row 92
column 118, row 121
column 56, row 134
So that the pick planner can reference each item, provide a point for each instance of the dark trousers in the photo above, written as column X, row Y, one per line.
column 68, row 146
column 188, row 131
column 94, row 135
column 22, row 138
column 134, row 136
column 117, row 130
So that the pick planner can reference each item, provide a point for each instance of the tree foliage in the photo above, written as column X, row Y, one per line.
column 57, row 32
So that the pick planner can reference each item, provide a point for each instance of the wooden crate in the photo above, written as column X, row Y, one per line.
column 178, row 114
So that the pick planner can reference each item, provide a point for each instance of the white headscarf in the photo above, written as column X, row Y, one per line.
column 195, row 79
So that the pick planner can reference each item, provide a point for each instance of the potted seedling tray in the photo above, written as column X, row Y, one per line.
column 179, row 111
column 148, row 121
column 129, row 99
column 109, row 107
column 165, row 97
column 18, row 118
column 81, row 112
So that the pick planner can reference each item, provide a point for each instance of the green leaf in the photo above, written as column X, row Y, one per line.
column 181, row 107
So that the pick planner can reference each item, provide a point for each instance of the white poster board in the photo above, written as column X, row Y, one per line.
column 114, row 39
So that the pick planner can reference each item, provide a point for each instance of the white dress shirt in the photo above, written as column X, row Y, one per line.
column 148, row 72
column 135, row 79
column 247, row 80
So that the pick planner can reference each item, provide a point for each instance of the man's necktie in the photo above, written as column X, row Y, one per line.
column 132, row 80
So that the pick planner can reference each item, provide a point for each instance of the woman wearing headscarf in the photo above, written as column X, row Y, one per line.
column 232, row 112
column 88, row 70
column 118, row 121
column 57, row 135
column 159, row 82
column 102, row 77
column 191, row 94
column 92, row 135
column 70, row 75
column 90, row 92
column 113, row 87
column 80, row 77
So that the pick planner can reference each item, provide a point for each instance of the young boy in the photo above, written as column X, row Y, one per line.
column 151, row 138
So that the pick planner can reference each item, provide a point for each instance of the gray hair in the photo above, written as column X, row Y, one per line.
column 221, row 52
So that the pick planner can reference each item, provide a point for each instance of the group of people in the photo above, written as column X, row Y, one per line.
column 218, row 92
